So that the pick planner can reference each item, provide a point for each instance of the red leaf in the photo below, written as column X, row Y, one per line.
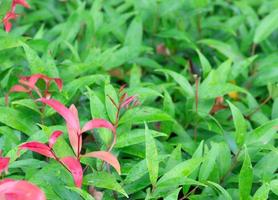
column 4, row 163
column 19, row 190
column 107, row 157
column 128, row 101
column 74, row 135
column 38, row 148
column 66, row 113
column 15, row 88
column 20, row 2
column 74, row 166
column 32, row 80
column 6, row 21
column 59, row 83
column 19, row 88
column 52, row 140
column 100, row 123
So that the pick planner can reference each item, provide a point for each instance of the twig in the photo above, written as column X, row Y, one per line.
column 189, row 193
column 231, row 167
column 196, row 105
column 258, row 108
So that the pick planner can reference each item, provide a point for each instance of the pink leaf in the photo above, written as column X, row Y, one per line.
column 100, row 123
column 59, row 83
column 4, row 163
column 66, row 113
column 19, row 190
column 75, row 139
column 52, row 140
column 128, row 101
column 107, row 157
column 32, row 80
column 6, row 21
column 15, row 88
column 75, row 168
column 38, row 148
column 19, row 88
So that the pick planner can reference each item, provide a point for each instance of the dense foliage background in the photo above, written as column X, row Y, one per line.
column 205, row 72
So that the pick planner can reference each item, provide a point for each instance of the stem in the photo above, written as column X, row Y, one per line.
column 253, row 49
column 189, row 193
column 78, row 146
column 258, row 108
column 196, row 105
column 199, row 25
column 58, row 159
column 231, row 167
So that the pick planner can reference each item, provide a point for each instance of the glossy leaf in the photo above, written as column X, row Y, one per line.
column 38, row 148
column 266, row 27
column 104, row 180
column 239, row 123
column 75, row 168
column 151, row 156
column 17, row 190
column 107, row 157
column 54, row 136
column 4, row 163
column 245, row 177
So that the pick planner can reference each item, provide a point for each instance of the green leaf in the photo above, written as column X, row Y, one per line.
column 266, row 27
column 17, row 120
column 29, row 103
column 245, row 178
column 263, row 133
column 219, row 188
column 104, row 180
column 274, row 186
column 137, row 171
column 183, row 169
column 224, row 49
column 151, row 156
column 135, row 136
column 134, row 36
column 84, row 194
column 8, row 42
column 209, row 162
column 37, row 65
column 148, row 114
column 71, row 88
column 98, row 110
column 204, row 63
column 262, row 192
column 181, row 80
column 240, row 124
column 173, row 195
column 111, row 109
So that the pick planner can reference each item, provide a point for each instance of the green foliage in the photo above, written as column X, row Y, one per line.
column 205, row 73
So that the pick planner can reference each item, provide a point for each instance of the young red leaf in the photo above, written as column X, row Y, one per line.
column 19, row 190
column 35, row 77
column 4, row 163
column 107, row 157
column 59, row 83
column 31, row 86
column 100, row 123
column 75, row 139
column 52, row 140
column 38, row 148
column 15, row 88
column 66, row 113
column 128, row 101
column 74, row 166
column 20, row 2
column 6, row 21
